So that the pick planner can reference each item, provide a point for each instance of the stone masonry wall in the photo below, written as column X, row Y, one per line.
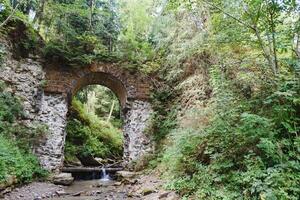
column 53, row 112
column 137, row 143
column 24, row 78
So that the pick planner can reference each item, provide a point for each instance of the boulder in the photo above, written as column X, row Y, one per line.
column 125, row 174
column 63, row 179
column 88, row 160
column 147, row 191
column 10, row 181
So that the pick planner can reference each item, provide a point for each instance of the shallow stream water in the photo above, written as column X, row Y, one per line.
column 94, row 189
column 143, row 187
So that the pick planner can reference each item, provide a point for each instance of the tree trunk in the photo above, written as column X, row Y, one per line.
column 266, row 54
column 111, row 110
column 91, row 13
column 38, row 18
column 297, row 45
column 275, row 60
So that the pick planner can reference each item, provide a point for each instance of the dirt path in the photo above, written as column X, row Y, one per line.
column 144, row 187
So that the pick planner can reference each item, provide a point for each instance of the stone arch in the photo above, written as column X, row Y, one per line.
column 132, row 89
column 103, row 79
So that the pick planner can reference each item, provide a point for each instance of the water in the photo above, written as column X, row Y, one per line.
column 104, row 175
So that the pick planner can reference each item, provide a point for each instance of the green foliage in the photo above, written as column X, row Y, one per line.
column 4, row 10
column 15, row 162
column 16, row 142
column 99, row 100
column 135, row 46
column 24, row 39
column 87, row 134
column 81, row 32
column 10, row 107
column 232, row 65
column 163, row 117
column 244, row 153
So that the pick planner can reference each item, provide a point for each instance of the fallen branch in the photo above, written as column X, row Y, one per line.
column 10, row 16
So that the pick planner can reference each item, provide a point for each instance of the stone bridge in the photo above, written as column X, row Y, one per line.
column 132, row 89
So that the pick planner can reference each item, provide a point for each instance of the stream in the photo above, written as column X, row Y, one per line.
column 103, row 187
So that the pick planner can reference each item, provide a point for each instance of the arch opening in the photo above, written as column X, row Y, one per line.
column 104, row 79
column 94, row 134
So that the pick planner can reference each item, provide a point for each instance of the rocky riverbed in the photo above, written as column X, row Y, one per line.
column 146, row 187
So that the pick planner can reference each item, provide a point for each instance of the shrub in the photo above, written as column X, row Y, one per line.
column 16, row 162
column 244, row 153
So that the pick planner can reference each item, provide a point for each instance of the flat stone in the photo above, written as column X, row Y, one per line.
column 61, row 192
column 125, row 174
column 63, row 179
column 77, row 193
column 117, row 183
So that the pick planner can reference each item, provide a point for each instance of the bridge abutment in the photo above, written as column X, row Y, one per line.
column 136, row 141
column 53, row 113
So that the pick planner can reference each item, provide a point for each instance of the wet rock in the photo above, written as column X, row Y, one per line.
column 74, row 163
column 94, row 193
column 88, row 160
column 63, row 179
column 32, row 191
column 129, row 181
column 172, row 196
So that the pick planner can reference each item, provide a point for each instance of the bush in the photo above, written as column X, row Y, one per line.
column 10, row 108
column 16, row 162
column 244, row 153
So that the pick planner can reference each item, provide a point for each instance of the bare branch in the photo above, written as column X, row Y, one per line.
column 230, row 15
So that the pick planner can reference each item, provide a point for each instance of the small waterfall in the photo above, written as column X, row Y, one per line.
column 104, row 175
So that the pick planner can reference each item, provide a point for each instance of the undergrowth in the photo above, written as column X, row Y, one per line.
column 249, row 150
column 87, row 134
column 16, row 142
